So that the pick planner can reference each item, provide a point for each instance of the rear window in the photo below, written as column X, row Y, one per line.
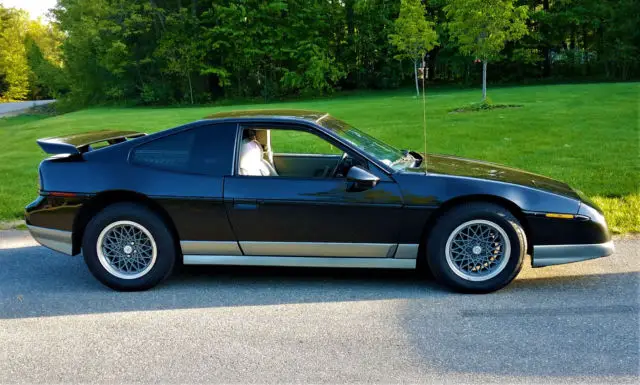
column 204, row 150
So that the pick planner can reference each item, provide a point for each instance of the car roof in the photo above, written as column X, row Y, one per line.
column 286, row 114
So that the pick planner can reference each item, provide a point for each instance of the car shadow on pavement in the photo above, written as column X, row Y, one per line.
column 594, row 317
column 36, row 282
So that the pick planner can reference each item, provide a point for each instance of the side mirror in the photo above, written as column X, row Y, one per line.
column 360, row 180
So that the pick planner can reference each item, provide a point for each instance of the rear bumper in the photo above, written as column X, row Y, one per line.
column 57, row 240
column 548, row 255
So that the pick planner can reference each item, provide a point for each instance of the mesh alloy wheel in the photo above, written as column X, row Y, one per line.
column 478, row 250
column 126, row 249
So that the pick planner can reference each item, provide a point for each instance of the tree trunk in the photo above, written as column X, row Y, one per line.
column 349, row 12
column 265, row 90
column 484, row 80
column 546, row 68
column 415, row 75
column 546, row 50
column 190, row 87
column 587, row 62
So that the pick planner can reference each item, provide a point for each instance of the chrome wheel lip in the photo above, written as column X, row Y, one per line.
column 496, row 270
column 104, row 261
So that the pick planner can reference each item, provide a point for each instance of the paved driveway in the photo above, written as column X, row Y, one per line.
column 573, row 323
column 8, row 109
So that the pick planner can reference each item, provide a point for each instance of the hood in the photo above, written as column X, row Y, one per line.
column 451, row 165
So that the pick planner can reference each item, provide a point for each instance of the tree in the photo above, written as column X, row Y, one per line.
column 175, row 51
column 414, row 34
column 482, row 28
column 46, row 76
column 311, row 66
column 14, row 69
column 181, row 52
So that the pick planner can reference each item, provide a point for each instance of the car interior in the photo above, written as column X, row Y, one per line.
column 258, row 158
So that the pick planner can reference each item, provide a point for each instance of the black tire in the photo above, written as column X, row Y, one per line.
column 463, row 214
column 139, row 215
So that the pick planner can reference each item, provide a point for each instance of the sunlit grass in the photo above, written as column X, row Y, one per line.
column 585, row 135
column 623, row 214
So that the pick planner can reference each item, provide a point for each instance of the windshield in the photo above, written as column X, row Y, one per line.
column 385, row 153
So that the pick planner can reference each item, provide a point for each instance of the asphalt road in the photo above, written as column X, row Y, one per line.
column 8, row 109
column 564, row 324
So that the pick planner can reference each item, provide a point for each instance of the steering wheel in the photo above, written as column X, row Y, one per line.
column 337, row 168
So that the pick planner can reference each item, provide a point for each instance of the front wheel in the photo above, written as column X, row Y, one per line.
column 476, row 248
column 128, row 247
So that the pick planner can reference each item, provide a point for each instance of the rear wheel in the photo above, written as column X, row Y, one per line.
column 128, row 247
column 476, row 247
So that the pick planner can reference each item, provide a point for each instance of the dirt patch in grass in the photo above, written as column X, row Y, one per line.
column 483, row 106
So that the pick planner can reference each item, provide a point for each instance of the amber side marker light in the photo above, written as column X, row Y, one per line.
column 559, row 216
column 62, row 194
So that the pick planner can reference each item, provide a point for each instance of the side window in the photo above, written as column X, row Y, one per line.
column 292, row 153
column 300, row 142
column 206, row 150
column 169, row 153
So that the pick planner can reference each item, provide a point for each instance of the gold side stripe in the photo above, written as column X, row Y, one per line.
column 318, row 249
column 213, row 248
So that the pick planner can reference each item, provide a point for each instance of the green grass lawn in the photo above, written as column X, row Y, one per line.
column 585, row 135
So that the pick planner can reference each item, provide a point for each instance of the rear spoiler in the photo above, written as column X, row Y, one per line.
column 80, row 143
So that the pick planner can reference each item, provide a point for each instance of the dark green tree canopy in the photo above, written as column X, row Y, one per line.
column 195, row 51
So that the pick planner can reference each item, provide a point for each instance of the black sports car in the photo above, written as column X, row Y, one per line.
column 299, row 188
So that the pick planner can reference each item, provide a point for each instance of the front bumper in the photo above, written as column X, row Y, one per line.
column 547, row 255
column 57, row 240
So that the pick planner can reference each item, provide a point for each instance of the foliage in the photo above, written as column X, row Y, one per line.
column 14, row 69
column 195, row 51
column 30, row 57
column 413, row 34
column 47, row 78
column 157, row 53
column 483, row 27
column 181, row 53
column 365, row 51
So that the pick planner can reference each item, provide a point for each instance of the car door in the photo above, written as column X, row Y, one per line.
column 313, row 216
column 184, row 173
